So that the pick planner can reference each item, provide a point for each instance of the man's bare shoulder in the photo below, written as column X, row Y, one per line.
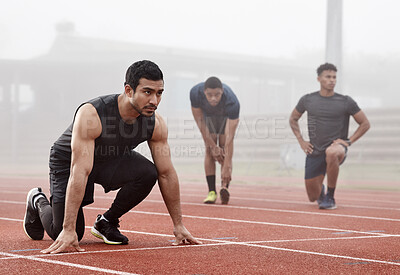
column 160, row 129
column 88, row 121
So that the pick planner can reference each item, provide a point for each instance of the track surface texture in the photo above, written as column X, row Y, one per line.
column 263, row 230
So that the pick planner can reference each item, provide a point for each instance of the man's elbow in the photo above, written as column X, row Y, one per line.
column 366, row 125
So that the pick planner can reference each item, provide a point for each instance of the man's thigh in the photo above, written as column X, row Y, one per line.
column 216, row 124
column 117, row 172
column 315, row 166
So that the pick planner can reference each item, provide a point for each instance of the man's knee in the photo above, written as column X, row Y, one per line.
column 334, row 154
column 150, row 174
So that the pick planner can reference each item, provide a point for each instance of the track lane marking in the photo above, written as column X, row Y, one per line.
column 256, row 208
column 220, row 242
column 49, row 261
column 271, row 200
column 250, row 244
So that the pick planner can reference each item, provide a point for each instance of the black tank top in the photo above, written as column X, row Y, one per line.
column 117, row 138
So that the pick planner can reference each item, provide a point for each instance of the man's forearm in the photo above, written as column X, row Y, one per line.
column 296, row 130
column 208, row 141
column 361, row 130
column 73, row 199
column 169, row 187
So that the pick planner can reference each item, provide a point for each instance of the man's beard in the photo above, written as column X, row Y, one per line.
column 141, row 111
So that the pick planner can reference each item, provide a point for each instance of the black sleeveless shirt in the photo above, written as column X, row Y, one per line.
column 117, row 138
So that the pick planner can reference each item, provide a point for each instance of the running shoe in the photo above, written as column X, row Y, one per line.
column 32, row 225
column 211, row 198
column 108, row 231
column 328, row 203
column 224, row 193
column 322, row 195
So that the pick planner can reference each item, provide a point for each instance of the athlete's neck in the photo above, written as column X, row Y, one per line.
column 126, row 111
column 326, row 93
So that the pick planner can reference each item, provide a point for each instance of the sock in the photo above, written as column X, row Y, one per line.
column 109, row 217
column 211, row 183
column 36, row 198
column 331, row 192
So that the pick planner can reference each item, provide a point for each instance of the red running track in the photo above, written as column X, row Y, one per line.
column 264, row 230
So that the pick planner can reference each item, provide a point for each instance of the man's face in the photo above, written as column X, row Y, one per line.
column 213, row 96
column 327, row 79
column 147, row 96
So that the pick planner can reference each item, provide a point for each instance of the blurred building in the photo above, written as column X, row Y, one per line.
column 38, row 97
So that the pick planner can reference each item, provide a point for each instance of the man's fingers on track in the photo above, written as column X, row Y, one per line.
column 50, row 248
column 61, row 248
column 79, row 249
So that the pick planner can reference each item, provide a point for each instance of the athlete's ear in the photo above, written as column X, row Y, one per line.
column 128, row 90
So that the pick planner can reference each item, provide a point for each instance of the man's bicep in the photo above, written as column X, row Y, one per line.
column 232, row 123
column 360, row 117
column 85, row 130
column 161, row 154
column 197, row 112
column 295, row 115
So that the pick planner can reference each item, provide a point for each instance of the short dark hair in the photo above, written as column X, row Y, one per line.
column 212, row 83
column 142, row 69
column 326, row 67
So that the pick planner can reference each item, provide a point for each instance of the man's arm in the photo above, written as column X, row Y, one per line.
column 306, row 146
column 230, row 130
column 87, row 127
column 168, row 180
column 216, row 151
column 363, row 126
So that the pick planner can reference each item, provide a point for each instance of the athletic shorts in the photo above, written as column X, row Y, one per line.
column 111, row 174
column 316, row 165
column 216, row 124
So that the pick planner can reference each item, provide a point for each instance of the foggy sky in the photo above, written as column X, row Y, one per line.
column 273, row 28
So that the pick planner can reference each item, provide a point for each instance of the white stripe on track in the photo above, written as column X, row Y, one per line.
column 220, row 242
column 324, row 254
column 242, row 221
column 287, row 211
column 254, row 222
column 296, row 202
column 96, row 269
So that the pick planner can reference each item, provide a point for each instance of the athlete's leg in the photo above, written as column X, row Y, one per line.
column 229, row 150
column 314, row 176
column 335, row 155
column 52, row 214
column 134, row 177
column 209, row 165
column 52, row 218
column 314, row 187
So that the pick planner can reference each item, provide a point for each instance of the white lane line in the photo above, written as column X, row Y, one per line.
column 87, row 267
column 278, row 201
column 252, row 208
column 297, row 202
column 323, row 239
column 324, row 254
column 220, row 242
column 285, row 211
column 292, row 196
column 252, row 222
column 244, row 221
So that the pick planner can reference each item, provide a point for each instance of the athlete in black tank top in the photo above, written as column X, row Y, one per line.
column 98, row 147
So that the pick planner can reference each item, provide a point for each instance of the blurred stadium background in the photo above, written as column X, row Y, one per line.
column 38, row 97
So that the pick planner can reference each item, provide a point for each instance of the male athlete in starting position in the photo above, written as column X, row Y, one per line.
column 98, row 147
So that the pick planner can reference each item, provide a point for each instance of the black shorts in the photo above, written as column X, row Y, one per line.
column 316, row 165
column 111, row 174
column 216, row 124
